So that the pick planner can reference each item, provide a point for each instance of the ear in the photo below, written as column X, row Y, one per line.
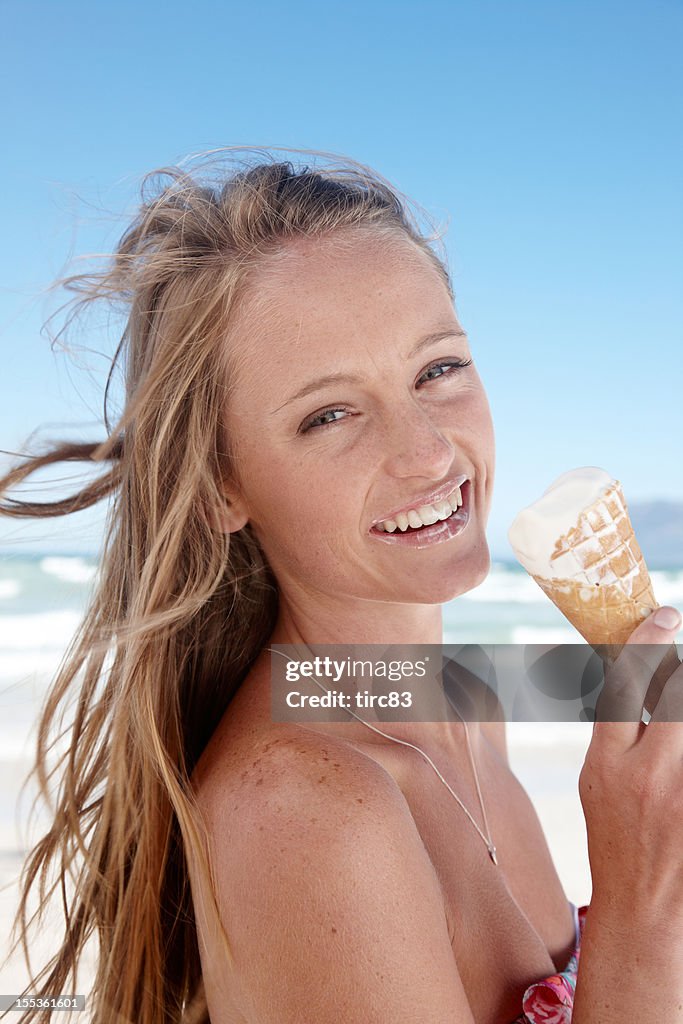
column 231, row 515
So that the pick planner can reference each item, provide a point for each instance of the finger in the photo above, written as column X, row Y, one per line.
column 669, row 706
column 667, row 666
column 629, row 676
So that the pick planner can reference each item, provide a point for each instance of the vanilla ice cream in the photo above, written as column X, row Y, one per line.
column 536, row 530
column 578, row 544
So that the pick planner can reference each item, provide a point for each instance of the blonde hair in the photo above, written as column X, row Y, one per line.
column 180, row 610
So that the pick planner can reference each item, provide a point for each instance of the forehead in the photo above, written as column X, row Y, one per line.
column 328, row 270
column 310, row 300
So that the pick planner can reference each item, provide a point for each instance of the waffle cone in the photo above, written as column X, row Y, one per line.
column 610, row 592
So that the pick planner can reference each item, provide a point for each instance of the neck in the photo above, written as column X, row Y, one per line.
column 359, row 622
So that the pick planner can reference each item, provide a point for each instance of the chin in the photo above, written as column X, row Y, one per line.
column 462, row 574
column 470, row 571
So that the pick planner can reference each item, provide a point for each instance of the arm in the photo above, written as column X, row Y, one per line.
column 630, row 967
column 331, row 902
column 631, row 961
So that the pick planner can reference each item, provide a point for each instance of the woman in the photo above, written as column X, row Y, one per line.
column 296, row 375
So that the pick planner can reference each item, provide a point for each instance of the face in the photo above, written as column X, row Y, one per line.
column 320, row 461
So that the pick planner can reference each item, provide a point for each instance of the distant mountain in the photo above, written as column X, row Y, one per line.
column 658, row 525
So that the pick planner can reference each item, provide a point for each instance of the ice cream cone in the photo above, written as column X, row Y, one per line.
column 610, row 592
column 595, row 573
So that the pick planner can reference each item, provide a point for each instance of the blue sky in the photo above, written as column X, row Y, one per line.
column 550, row 134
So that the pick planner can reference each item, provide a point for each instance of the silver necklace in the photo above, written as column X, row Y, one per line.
column 487, row 838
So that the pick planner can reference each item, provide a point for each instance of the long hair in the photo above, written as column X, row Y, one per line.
column 180, row 610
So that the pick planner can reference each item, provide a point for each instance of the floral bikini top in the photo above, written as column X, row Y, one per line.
column 551, row 1000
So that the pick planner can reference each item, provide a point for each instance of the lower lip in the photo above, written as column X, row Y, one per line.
column 437, row 533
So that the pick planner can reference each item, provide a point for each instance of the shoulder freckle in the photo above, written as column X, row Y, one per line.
column 294, row 774
column 295, row 780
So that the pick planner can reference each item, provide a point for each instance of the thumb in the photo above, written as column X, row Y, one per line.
column 658, row 628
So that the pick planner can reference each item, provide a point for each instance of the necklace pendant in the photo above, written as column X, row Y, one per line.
column 492, row 854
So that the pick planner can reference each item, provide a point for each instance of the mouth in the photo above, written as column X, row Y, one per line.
column 435, row 533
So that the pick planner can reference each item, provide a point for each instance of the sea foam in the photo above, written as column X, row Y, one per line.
column 71, row 569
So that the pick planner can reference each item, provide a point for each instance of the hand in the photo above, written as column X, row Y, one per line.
column 631, row 783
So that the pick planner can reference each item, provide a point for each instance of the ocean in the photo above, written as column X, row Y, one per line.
column 43, row 597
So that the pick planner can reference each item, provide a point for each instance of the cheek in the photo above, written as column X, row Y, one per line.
column 480, row 417
column 305, row 496
column 487, row 428
column 470, row 415
column 305, row 533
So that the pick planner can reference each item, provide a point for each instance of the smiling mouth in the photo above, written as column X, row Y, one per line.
column 417, row 518
column 443, row 529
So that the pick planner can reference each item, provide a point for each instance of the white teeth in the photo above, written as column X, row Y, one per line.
column 426, row 515
column 455, row 499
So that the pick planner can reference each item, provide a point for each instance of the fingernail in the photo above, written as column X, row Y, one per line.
column 667, row 618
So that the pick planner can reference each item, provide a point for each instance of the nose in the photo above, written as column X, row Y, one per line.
column 415, row 446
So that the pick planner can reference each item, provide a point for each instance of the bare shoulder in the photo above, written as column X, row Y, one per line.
column 291, row 776
column 326, row 890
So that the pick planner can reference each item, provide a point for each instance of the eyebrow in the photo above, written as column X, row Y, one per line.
column 350, row 378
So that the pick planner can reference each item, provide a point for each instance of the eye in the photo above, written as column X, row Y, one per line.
column 452, row 366
column 318, row 422
column 315, row 421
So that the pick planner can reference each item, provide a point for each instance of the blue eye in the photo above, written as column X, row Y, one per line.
column 452, row 366
column 318, row 416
